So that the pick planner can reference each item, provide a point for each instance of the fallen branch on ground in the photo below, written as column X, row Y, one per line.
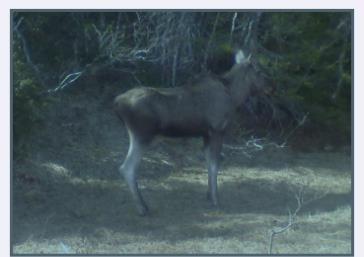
column 254, row 145
column 291, row 221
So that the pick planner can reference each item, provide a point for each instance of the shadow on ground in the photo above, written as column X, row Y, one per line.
column 179, row 210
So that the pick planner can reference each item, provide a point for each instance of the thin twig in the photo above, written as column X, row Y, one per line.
column 212, row 35
column 291, row 220
column 300, row 123
column 253, row 145
column 27, row 52
column 235, row 15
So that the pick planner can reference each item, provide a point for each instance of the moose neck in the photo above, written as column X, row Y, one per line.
column 238, row 83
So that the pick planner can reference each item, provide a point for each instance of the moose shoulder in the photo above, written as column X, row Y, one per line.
column 202, row 108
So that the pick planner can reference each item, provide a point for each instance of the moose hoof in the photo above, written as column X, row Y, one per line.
column 143, row 210
column 215, row 205
column 214, row 202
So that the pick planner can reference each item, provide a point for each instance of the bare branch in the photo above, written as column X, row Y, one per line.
column 209, row 42
column 68, row 80
column 340, row 71
column 300, row 124
column 18, row 23
column 27, row 53
column 248, row 35
column 290, row 223
column 174, row 67
column 254, row 145
column 235, row 15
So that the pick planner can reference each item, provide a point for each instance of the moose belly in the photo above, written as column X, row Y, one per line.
column 184, row 129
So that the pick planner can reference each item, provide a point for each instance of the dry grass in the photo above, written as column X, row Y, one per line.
column 59, row 213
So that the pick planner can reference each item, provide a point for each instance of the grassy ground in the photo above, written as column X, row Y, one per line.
column 56, row 211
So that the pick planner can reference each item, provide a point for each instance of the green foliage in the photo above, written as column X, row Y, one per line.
column 28, row 106
column 312, row 64
column 308, row 55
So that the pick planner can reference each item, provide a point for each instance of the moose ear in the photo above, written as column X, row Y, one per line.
column 240, row 57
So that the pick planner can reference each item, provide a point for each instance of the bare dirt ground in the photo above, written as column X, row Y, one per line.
column 57, row 211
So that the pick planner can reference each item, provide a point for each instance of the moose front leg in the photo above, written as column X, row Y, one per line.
column 212, row 152
column 128, row 170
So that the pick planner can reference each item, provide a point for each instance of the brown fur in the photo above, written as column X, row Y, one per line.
column 202, row 108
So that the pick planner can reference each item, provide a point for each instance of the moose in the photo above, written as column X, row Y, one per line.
column 202, row 108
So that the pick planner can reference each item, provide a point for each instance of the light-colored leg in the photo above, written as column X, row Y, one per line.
column 212, row 183
column 128, row 170
column 212, row 153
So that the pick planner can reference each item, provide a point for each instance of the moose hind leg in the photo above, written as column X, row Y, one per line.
column 128, row 170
